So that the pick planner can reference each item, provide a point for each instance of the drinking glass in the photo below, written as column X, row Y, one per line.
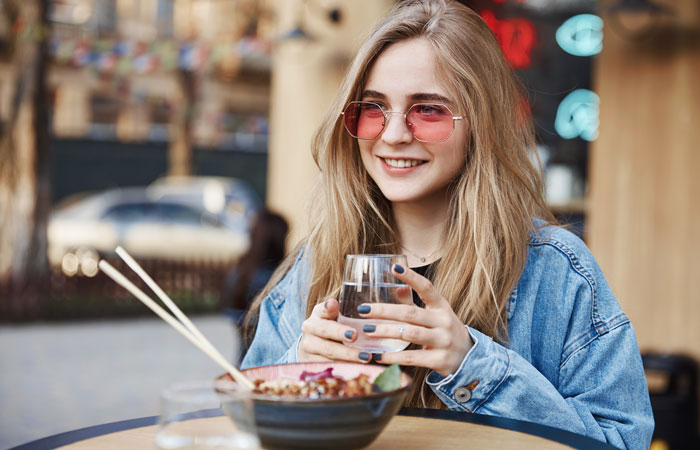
column 191, row 417
column 368, row 279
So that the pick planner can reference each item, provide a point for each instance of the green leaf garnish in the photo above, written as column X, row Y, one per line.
column 389, row 379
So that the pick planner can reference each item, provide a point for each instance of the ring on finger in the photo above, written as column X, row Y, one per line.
column 401, row 330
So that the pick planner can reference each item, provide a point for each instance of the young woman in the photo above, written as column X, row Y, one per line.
column 426, row 152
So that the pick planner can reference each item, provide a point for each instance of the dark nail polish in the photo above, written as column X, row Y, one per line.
column 364, row 356
column 398, row 268
column 369, row 328
column 364, row 309
column 349, row 334
column 377, row 356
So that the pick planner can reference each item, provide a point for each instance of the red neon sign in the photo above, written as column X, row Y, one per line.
column 516, row 35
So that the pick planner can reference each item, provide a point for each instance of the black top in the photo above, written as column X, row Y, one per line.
column 427, row 272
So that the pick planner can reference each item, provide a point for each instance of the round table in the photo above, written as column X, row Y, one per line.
column 413, row 428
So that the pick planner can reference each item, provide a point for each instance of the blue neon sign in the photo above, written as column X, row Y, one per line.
column 577, row 115
column 581, row 35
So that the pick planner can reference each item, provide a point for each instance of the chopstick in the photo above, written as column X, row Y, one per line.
column 195, row 337
column 131, row 262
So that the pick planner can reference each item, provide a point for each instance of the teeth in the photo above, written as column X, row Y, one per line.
column 401, row 163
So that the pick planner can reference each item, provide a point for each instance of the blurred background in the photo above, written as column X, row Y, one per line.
column 176, row 128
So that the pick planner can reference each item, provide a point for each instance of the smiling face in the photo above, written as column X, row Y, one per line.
column 405, row 169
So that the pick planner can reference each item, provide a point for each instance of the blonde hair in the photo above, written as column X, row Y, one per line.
column 492, row 202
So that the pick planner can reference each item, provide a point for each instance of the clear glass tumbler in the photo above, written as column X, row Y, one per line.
column 368, row 279
column 191, row 418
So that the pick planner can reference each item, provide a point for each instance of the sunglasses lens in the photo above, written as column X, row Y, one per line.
column 363, row 120
column 431, row 123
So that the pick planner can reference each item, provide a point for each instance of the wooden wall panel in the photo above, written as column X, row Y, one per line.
column 644, row 182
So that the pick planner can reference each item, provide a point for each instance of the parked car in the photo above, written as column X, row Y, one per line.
column 183, row 222
column 233, row 201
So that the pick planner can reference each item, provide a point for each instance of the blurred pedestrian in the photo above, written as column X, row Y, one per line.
column 253, row 270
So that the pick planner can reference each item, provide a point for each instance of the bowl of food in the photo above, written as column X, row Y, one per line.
column 323, row 404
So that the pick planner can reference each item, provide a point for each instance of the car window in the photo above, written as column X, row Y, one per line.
column 173, row 212
column 130, row 212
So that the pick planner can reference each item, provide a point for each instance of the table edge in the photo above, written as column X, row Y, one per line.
column 553, row 434
column 565, row 437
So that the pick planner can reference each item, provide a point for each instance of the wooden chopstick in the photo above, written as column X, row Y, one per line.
column 208, row 349
column 136, row 267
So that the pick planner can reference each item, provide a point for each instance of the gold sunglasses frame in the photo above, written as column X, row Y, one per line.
column 386, row 113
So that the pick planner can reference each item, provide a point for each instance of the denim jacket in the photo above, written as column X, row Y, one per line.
column 571, row 360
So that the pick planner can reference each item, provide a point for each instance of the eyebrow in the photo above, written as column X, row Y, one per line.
column 419, row 96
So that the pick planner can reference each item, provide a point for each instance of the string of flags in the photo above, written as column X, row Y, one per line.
column 122, row 57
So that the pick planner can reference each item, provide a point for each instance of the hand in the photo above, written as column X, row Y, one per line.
column 436, row 327
column 322, row 336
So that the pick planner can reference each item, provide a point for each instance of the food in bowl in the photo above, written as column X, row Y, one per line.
column 315, row 385
column 326, row 422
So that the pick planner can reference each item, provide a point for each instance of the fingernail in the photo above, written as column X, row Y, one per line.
column 364, row 309
column 369, row 328
column 364, row 356
column 377, row 356
column 398, row 268
column 325, row 304
column 349, row 334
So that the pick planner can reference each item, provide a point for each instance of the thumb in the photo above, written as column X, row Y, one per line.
column 329, row 309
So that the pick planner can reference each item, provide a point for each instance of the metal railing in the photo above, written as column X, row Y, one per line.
column 196, row 287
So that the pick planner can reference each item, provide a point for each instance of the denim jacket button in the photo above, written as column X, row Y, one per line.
column 462, row 394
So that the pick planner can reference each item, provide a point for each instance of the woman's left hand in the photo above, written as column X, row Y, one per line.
column 436, row 327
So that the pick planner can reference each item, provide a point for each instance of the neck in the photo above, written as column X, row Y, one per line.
column 421, row 227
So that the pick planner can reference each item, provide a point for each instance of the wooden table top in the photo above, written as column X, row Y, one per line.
column 412, row 428
column 402, row 433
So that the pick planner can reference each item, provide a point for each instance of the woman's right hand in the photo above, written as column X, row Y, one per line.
column 322, row 337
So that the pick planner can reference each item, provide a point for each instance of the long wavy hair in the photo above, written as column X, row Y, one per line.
column 492, row 201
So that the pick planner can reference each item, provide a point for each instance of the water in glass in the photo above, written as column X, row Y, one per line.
column 368, row 279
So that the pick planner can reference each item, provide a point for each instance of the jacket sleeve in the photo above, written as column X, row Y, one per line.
column 602, row 391
column 578, row 368
column 270, row 344
column 279, row 323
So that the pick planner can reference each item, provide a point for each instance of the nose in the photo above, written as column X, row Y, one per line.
column 396, row 131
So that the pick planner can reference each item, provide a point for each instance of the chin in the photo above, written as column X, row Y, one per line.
column 407, row 192
column 401, row 196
